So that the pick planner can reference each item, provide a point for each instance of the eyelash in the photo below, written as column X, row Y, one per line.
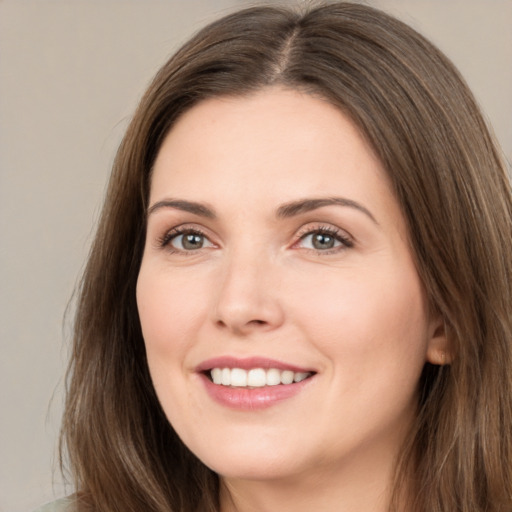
column 164, row 241
column 345, row 241
column 340, row 236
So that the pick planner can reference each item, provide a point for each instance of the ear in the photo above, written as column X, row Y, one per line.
column 439, row 349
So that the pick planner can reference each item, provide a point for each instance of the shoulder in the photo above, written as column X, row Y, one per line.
column 62, row 505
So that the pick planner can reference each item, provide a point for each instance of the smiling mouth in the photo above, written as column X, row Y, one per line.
column 255, row 377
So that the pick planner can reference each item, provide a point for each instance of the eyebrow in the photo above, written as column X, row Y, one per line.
column 187, row 206
column 306, row 205
column 287, row 210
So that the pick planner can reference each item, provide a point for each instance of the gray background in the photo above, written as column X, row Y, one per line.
column 71, row 72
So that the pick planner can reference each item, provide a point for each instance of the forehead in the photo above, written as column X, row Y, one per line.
column 275, row 145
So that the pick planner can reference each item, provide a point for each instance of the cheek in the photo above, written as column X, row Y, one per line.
column 373, row 330
column 169, row 308
column 166, row 310
column 169, row 315
column 366, row 317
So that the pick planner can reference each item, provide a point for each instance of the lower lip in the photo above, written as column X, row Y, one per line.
column 250, row 399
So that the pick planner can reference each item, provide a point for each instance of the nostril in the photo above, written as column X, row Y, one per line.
column 242, row 317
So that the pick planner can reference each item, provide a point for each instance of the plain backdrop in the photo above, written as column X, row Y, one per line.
column 71, row 73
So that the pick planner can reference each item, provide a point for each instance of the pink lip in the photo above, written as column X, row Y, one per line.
column 250, row 399
column 248, row 363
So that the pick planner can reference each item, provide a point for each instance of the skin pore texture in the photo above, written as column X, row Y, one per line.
column 273, row 233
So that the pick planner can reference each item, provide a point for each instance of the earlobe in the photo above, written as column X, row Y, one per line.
column 438, row 357
column 439, row 350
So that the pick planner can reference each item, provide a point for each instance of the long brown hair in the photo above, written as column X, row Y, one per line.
column 417, row 113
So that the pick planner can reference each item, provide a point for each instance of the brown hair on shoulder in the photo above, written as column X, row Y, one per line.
column 420, row 118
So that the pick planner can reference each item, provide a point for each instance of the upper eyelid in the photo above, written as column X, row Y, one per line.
column 187, row 226
column 322, row 226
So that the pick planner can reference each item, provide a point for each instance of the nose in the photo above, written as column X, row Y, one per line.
column 248, row 298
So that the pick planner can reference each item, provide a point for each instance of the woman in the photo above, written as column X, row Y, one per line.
column 298, row 296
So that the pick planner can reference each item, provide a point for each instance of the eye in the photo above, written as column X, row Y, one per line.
column 320, row 241
column 185, row 240
column 324, row 239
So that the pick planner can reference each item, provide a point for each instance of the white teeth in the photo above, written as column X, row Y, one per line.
column 300, row 376
column 226, row 377
column 238, row 377
column 256, row 377
column 273, row 377
column 287, row 377
column 217, row 375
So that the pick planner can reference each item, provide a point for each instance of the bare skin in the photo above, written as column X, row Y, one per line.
column 273, row 233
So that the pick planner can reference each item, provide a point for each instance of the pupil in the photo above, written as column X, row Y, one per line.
column 192, row 241
column 323, row 241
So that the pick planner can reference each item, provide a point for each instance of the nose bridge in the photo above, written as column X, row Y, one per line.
column 247, row 296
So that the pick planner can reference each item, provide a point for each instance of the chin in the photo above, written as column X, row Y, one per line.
column 249, row 461
column 257, row 469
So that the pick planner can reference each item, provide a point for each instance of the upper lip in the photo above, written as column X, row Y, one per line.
column 247, row 363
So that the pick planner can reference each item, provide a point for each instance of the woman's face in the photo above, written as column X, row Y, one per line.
column 276, row 253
